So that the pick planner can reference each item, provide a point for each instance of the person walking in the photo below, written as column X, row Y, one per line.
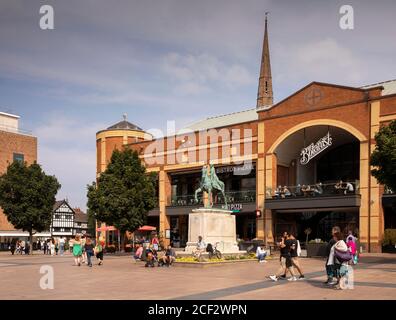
column 12, row 247
column 77, row 251
column 89, row 250
column 99, row 251
column 48, row 246
column 44, row 247
column 61, row 246
column 329, row 268
column 351, row 244
column 338, row 265
column 285, row 260
column 84, row 255
column 294, row 244
column 52, row 246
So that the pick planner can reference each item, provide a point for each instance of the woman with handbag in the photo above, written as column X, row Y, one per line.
column 339, row 257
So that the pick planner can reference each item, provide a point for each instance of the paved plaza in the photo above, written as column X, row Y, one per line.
column 121, row 278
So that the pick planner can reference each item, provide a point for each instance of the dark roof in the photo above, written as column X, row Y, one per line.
column 80, row 216
column 126, row 125
column 58, row 203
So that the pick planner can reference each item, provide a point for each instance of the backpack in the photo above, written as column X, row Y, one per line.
column 343, row 256
column 209, row 248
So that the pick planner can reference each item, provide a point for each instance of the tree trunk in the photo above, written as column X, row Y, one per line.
column 31, row 242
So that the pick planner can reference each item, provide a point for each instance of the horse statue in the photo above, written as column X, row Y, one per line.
column 209, row 183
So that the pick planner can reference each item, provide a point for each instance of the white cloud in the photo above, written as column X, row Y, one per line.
column 195, row 74
column 323, row 60
column 67, row 150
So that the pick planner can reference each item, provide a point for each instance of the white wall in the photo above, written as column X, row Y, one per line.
column 8, row 122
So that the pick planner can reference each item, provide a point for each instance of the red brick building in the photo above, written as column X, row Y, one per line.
column 305, row 162
column 15, row 145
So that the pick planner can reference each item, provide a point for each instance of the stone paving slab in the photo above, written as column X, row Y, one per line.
column 121, row 278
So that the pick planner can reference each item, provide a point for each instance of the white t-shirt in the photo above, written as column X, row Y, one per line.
column 349, row 187
column 259, row 251
column 201, row 245
column 61, row 241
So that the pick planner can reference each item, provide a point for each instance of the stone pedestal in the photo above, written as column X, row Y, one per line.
column 213, row 225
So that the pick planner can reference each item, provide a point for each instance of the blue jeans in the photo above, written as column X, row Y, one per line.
column 261, row 256
column 89, row 255
column 61, row 249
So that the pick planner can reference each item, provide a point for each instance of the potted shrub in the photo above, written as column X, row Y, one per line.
column 316, row 248
column 389, row 241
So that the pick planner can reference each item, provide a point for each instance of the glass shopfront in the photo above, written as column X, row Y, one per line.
column 240, row 193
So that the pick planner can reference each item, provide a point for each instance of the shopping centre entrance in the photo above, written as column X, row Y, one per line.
column 317, row 183
column 317, row 223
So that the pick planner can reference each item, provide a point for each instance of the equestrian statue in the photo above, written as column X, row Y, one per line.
column 210, row 182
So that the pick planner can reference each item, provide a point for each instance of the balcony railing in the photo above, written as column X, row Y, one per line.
column 232, row 197
column 314, row 190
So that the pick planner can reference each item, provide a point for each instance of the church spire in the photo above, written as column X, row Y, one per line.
column 264, row 94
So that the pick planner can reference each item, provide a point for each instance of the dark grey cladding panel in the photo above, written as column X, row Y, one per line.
column 313, row 202
column 185, row 210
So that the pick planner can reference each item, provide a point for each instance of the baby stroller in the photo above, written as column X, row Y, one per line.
column 151, row 258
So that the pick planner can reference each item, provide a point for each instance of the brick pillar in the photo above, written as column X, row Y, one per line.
column 364, row 194
column 260, row 182
column 376, row 232
column 164, row 193
column 270, row 185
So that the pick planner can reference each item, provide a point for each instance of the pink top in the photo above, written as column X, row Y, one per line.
column 352, row 246
column 154, row 241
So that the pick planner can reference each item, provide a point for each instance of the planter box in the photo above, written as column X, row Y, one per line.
column 316, row 249
column 390, row 248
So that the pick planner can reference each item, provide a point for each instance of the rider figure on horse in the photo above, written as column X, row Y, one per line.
column 210, row 182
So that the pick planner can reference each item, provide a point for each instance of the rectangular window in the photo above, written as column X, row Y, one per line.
column 18, row 157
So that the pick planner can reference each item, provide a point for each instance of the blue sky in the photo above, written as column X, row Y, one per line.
column 170, row 60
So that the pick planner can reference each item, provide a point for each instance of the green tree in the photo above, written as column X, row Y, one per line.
column 384, row 156
column 91, row 222
column 124, row 193
column 27, row 197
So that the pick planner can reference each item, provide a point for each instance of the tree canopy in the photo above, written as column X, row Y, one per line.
column 27, row 196
column 384, row 156
column 124, row 192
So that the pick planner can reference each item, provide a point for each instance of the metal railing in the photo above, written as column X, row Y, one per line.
column 15, row 130
column 314, row 190
column 247, row 196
